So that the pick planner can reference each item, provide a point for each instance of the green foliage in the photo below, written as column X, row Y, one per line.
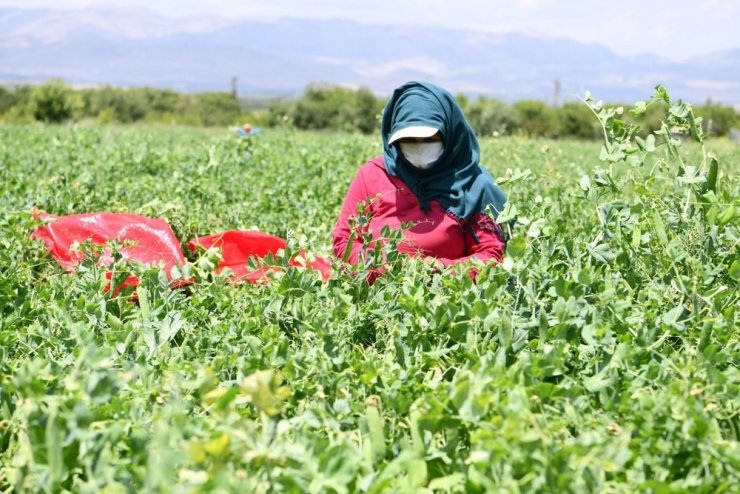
column 535, row 117
column 110, row 104
column 600, row 356
column 576, row 120
column 279, row 113
column 491, row 117
column 336, row 108
column 650, row 120
column 53, row 102
column 320, row 107
column 9, row 98
column 14, row 104
column 217, row 108
column 6, row 99
column 717, row 120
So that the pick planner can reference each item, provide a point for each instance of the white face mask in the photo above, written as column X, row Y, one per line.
column 422, row 154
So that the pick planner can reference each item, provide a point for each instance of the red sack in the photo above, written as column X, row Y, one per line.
column 154, row 242
column 237, row 246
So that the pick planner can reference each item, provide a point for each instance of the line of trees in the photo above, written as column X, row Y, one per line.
column 56, row 102
column 320, row 107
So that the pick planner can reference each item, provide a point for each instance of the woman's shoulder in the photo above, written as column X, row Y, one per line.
column 373, row 165
column 375, row 177
column 373, row 169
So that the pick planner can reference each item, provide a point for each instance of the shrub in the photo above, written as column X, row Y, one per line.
column 535, row 117
column 489, row 116
column 717, row 119
column 53, row 102
column 576, row 120
column 337, row 108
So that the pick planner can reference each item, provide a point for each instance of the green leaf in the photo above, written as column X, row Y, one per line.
column 417, row 471
column 602, row 252
column 639, row 109
column 650, row 143
column 143, row 298
column 598, row 382
column 447, row 483
column 516, row 247
column 661, row 94
column 375, row 429
column 636, row 234
column 509, row 213
column 348, row 249
column 54, row 455
column 535, row 228
column 171, row 325
column 734, row 271
column 673, row 316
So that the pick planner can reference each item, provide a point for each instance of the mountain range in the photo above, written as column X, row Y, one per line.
column 137, row 47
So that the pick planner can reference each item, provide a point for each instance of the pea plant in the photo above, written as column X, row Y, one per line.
column 601, row 354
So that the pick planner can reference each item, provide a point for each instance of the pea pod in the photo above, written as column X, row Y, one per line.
column 659, row 227
column 712, row 173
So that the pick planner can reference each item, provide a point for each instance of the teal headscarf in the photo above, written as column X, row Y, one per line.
column 456, row 180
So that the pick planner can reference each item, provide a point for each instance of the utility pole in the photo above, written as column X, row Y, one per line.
column 234, row 83
column 556, row 93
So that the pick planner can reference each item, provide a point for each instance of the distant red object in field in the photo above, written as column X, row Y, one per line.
column 237, row 246
column 152, row 241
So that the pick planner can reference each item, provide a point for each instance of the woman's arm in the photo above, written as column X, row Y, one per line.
column 490, row 245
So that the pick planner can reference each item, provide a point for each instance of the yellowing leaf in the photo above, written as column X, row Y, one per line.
column 218, row 447
column 264, row 391
column 196, row 452
column 213, row 395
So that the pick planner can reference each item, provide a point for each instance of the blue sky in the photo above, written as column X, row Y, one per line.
column 674, row 29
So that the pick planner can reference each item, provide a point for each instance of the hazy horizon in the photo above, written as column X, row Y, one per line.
column 674, row 30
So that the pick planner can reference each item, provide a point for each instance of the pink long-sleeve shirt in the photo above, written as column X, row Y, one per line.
column 387, row 201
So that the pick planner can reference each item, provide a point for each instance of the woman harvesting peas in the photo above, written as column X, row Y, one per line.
column 429, row 175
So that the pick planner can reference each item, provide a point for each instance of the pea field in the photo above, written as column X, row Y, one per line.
column 600, row 356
